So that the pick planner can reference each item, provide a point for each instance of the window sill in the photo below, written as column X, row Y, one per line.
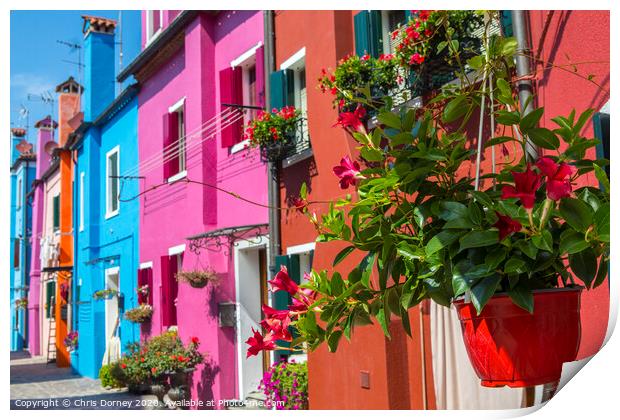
column 297, row 157
column 177, row 177
column 239, row 147
column 111, row 214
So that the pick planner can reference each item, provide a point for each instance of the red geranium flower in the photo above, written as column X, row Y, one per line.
column 195, row 340
column 348, row 171
column 506, row 225
column 416, row 59
column 352, row 120
column 153, row 370
column 283, row 282
column 526, row 185
column 258, row 343
column 123, row 366
column 424, row 15
column 558, row 177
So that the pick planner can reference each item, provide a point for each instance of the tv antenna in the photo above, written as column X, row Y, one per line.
column 46, row 97
column 74, row 47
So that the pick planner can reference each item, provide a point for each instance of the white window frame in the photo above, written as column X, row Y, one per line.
column 180, row 106
column 145, row 265
column 296, row 63
column 245, row 61
column 176, row 250
column 20, row 186
column 82, row 177
column 150, row 35
column 108, row 212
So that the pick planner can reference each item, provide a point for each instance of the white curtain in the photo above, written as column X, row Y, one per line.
column 456, row 384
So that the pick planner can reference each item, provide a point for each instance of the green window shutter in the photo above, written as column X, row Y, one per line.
column 50, row 290
column 601, row 124
column 56, row 210
column 368, row 33
column 505, row 17
column 281, row 88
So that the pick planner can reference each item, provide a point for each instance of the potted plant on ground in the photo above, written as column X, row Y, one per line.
column 140, row 314
column 506, row 247
column 285, row 385
column 274, row 133
column 198, row 278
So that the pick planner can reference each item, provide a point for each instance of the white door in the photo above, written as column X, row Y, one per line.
column 111, row 305
column 247, row 269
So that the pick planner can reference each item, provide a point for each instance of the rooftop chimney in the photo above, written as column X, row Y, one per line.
column 99, row 65
column 45, row 144
column 69, row 93
column 18, row 135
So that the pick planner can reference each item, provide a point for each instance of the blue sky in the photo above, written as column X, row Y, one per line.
column 39, row 62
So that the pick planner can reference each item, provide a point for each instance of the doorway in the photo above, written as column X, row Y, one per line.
column 111, row 304
column 250, row 258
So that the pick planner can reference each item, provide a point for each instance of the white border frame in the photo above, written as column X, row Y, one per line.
column 151, row 37
column 175, row 250
column 82, row 203
column 300, row 249
column 240, row 61
column 294, row 59
column 116, row 149
column 144, row 265
column 245, row 244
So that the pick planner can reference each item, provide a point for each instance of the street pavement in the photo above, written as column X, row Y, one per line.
column 37, row 385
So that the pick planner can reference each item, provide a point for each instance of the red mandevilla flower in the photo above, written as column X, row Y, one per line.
column 259, row 343
column 300, row 204
column 278, row 328
column 283, row 282
column 558, row 177
column 526, row 185
column 416, row 59
column 352, row 120
column 506, row 225
column 348, row 171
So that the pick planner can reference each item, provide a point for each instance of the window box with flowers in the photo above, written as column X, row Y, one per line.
column 21, row 303
column 71, row 341
column 275, row 133
column 511, row 249
column 105, row 294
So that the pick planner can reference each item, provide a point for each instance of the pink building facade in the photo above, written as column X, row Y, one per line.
column 191, row 153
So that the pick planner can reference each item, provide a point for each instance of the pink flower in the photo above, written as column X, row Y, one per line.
column 259, row 343
column 365, row 57
column 278, row 328
column 558, row 177
column 282, row 281
column 352, row 120
column 526, row 185
column 506, row 225
column 348, row 171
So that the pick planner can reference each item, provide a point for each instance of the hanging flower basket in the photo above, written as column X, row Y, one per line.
column 71, row 341
column 140, row 315
column 21, row 303
column 274, row 133
column 198, row 278
column 509, row 346
column 106, row 294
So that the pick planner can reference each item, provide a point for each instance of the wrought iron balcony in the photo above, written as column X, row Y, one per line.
column 294, row 148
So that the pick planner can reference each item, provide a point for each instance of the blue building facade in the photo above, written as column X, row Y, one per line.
column 22, row 175
column 106, row 227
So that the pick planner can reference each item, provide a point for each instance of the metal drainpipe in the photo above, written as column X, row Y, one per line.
column 523, row 66
column 272, row 167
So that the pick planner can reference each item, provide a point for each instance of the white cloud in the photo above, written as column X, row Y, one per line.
column 25, row 83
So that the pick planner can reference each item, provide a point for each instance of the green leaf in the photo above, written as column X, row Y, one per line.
column 528, row 248
column 601, row 222
column 509, row 46
column 390, row 119
column 404, row 316
column 478, row 239
column 441, row 240
column 543, row 137
column 507, row 117
column 583, row 264
column 303, row 191
column 582, row 120
column 543, row 241
column 498, row 140
column 332, row 341
column 531, row 120
column 572, row 242
column 515, row 266
column 495, row 257
column 483, row 290
column 464, row 276
column 476, row 62
column 382, row 317
column 371, row 154
column 483, row 198
column 343, row 254
column 522, row 297
column 601, row 176
column 455, row 109
column 576, row 213
column 450, row 210
column 602, row 273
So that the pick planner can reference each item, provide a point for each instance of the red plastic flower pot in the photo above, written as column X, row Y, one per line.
column 509, row 346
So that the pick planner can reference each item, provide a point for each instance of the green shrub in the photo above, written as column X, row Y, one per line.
column 111, row 376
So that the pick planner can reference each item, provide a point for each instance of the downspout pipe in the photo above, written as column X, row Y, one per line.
column 273, row 189
column 524, row 68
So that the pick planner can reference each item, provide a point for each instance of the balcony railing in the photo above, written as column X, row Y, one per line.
column 294, row 148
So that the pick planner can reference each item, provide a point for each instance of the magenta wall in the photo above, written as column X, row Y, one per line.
column 171, row 213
